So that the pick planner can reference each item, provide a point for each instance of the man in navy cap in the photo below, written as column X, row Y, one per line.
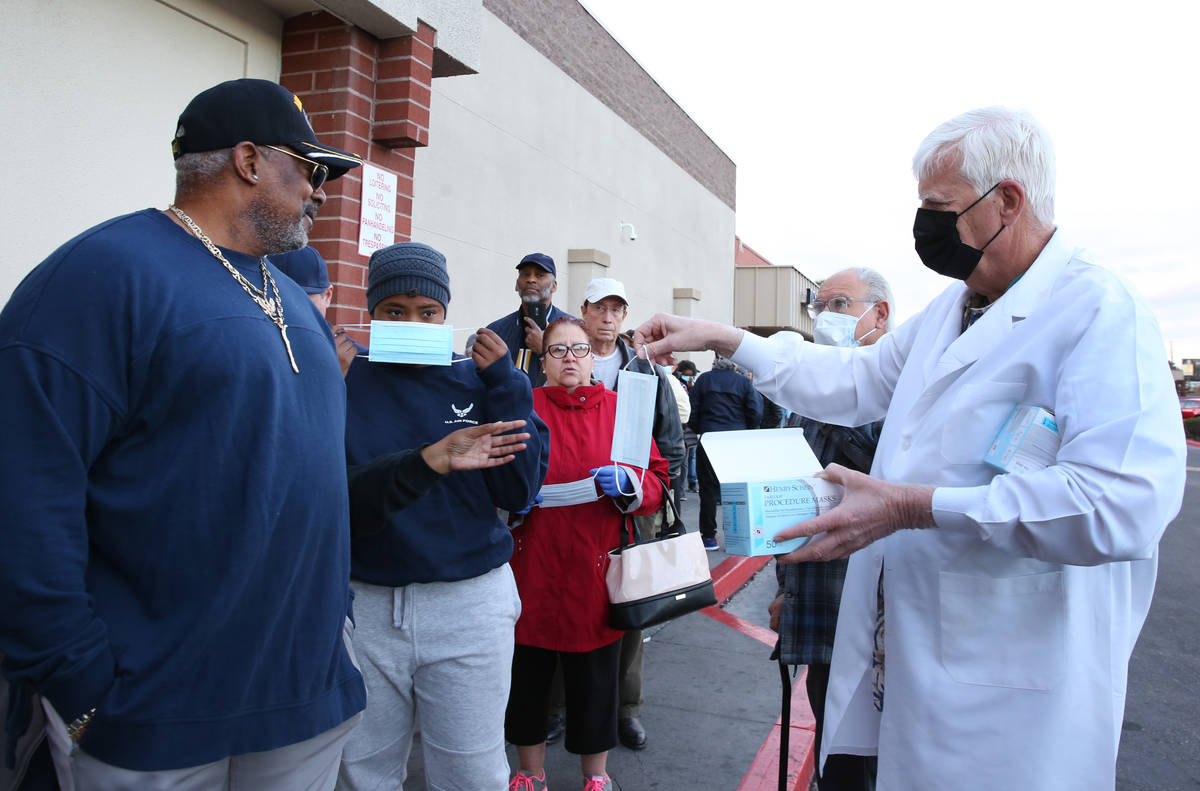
column 176, row 547
column 521, row 330
column 308, row 269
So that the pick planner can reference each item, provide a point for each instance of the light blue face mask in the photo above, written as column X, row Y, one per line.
column 636, row 394
column 411, row 343
column 837, row 329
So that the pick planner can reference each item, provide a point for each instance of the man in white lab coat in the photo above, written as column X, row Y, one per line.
column 1007, row 603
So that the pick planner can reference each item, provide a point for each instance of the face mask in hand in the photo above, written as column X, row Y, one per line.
column 557, row 495
column 837, row 329
column 634, row 425
column 939, row 245
column 411, row 343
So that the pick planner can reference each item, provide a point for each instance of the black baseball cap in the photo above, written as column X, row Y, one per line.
column 539, row 259
column 260, row 111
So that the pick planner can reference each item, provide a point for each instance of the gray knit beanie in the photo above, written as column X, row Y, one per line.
column 405, row 267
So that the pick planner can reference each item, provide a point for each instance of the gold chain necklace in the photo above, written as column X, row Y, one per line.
column 266, row 298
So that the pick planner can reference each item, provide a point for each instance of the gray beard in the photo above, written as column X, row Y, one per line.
column 275, row 231
column 534, row 300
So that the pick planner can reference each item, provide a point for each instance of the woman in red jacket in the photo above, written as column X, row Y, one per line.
column 560, row 555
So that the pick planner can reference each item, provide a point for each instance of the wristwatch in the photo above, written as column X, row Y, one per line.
column 80, row 724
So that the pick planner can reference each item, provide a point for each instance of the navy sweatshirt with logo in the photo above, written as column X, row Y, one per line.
column 174, row 542
column 452, row 532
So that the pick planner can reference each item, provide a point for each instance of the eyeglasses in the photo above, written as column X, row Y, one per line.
column 838, row 304
column 599, row 307
column 559, row 350
column 316, row 176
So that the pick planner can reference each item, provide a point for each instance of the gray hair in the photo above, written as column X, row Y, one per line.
column 878, row 288
column 195, row 171
column 990, row 145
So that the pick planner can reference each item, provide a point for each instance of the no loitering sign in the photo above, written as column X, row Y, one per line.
column 377, row 222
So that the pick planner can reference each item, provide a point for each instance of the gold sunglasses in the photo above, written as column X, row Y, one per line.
column 319, row 172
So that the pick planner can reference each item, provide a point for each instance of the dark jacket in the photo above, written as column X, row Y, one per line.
column 668, row 431
column 511, row 329
column 724, row 400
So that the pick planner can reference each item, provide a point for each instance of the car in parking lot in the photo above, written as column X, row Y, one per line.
column 1190, row 407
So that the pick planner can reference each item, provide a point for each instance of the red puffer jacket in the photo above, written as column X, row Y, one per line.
column 560, row 554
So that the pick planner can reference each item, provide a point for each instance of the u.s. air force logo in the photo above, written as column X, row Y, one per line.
column 460, row 415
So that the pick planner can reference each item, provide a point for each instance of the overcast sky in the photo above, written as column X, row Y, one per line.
column 821, row 106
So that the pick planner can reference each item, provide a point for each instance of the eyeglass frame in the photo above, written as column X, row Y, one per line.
column 623, row 310
column 817, row 306
column 572, row 349
column 318, row 167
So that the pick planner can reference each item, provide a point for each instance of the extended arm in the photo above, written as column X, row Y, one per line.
column 391, row 483
column 509, row 397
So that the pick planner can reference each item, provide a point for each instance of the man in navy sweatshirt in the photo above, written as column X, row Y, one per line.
column 435, row 599
column 175, row 542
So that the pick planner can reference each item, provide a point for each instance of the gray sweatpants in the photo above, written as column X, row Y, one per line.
column 440, row 652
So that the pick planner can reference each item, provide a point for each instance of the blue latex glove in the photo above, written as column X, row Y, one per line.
column 537, row 500
column 613, row 480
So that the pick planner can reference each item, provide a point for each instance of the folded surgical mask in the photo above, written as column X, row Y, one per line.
column 556, row 495
column 636, row 394
column 411, row 343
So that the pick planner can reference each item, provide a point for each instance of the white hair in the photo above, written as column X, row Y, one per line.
column 194, row 171
column 878, row 289
column 990, row 145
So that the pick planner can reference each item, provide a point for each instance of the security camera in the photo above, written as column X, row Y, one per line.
column 632, row 231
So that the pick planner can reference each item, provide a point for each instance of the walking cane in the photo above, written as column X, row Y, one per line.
column 785, row 724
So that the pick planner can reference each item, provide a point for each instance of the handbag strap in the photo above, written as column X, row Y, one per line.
column 673, row 527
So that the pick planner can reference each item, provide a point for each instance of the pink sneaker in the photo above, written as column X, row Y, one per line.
column 597, row 783
column 522, row 781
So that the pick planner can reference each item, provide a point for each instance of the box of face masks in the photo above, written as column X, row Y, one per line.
column 1028, row 442
column 767, row 485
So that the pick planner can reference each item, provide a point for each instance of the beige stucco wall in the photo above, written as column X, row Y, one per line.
column 521, row 158
column 91, row 94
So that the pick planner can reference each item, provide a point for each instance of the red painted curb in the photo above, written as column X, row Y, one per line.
column 1193, row 443
column 763, row 773
column 759, row 633
column 732, row 573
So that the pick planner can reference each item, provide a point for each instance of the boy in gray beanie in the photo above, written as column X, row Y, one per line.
column 432, row 572
column 409, row 268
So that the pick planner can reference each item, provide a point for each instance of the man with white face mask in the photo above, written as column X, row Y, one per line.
column 853, row 308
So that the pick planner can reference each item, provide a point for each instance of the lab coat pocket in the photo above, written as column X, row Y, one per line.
column 975, row 417
column 1004, row 631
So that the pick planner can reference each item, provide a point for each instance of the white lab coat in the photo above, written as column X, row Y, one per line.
column 1009, row 626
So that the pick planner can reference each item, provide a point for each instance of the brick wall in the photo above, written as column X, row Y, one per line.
column 369, row 96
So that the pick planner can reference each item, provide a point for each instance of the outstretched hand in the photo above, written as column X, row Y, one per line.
column 870, row 510
column 665, row 333
column 476, row 447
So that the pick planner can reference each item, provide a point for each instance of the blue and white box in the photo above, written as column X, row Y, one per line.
column 767, row 485
column 1028, row 442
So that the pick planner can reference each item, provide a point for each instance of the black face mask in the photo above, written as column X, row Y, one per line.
column 939, row 245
